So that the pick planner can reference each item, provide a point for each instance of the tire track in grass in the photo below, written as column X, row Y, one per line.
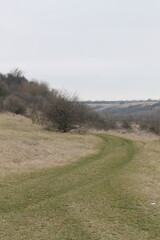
column 86, row 200
column 84, row 171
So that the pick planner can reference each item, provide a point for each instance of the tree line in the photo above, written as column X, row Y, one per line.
column 56, row 109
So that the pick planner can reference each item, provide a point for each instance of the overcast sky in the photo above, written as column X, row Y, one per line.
column 100, row 49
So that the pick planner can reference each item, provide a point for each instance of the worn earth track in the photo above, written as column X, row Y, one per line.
column 89, row 199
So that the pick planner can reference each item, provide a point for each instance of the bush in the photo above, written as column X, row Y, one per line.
column 15, row 105
column 65, row 113
column 62, row 113
column 3, row 89
column 126, row 124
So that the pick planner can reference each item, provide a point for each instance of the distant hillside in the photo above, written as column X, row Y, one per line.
column 124, row 107
column 122, row 114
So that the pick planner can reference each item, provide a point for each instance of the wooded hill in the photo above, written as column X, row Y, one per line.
column 58, row 110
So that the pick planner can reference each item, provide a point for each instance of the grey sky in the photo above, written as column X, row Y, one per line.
column 101, row 49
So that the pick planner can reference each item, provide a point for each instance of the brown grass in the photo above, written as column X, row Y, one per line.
column 146, row 163
column 148, row 171
column 135, row 133
column 28, row 147
column 105, row 196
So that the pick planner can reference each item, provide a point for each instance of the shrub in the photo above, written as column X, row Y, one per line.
column 15, row 105
column 62, row 113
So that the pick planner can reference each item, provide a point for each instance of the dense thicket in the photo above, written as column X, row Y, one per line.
column 44, row 105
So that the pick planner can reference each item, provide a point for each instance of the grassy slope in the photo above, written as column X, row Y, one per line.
column 94, row 198
column 26, row 147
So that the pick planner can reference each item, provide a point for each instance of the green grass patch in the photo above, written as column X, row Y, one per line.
column 89, row 199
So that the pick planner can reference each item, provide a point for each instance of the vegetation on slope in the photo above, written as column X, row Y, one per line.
column 43, row 105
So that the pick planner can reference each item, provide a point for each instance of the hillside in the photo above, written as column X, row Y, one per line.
column 125, row 114
column 125, row 107
column 58, row 109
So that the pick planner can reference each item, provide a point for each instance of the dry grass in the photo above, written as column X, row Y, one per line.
column 135, row 134
column 144, row 178
column 147, row 174
column 26, row 147
column 146, row 162
column 105, row 196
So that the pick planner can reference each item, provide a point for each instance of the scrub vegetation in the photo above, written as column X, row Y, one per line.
column 122, row 114
column 55, row 109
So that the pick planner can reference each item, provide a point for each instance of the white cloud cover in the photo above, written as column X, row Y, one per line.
column 100, row 49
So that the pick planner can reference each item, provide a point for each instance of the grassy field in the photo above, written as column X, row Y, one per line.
column 103, row 196
column 27, row 147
